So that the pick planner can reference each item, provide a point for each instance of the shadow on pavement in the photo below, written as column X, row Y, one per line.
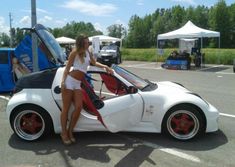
column 214, row 69
column 95, row 146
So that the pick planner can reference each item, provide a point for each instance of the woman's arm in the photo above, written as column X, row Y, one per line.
column 97, row 64
column 68, row 66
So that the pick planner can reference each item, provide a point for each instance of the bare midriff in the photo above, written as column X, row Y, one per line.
column 76, row 74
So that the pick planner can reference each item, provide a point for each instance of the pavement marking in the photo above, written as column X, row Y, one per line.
column 227, row 115
column 229, row 73
column 148, row 68
column 202, row 69
column 138, row 65
column 166, row 150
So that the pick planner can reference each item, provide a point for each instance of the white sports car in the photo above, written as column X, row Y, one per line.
column 118, row 102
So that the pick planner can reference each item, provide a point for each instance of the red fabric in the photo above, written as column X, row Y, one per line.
column 112, row 84
column 87, row 103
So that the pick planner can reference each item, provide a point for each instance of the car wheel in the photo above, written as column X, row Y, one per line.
column 183, row 123
column 31, row 123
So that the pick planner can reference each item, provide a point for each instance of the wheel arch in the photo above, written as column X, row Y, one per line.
column 32, row 105
column 183, row 105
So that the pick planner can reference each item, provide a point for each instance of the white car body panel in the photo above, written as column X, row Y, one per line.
column 169, row 94
column 29, row 96
column 118, row 117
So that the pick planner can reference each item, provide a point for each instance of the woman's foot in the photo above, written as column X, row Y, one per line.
column 65, row 139
column 72, row 138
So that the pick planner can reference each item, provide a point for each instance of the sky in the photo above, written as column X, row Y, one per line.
column 101, row 13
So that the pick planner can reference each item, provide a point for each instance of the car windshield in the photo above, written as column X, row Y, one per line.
column 52, row 45
column 132, row 78
column 109, row 47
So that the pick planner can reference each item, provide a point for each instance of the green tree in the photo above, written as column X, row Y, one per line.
column 116, row 30
column 177, row 15
column 4, row 40
column 232, row 21
column 18, row 36
column 220, row 21
column 73, row 29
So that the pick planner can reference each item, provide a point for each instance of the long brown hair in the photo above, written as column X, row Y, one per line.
column 80, row 47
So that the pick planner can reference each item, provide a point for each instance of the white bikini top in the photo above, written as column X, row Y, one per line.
column 78, row 65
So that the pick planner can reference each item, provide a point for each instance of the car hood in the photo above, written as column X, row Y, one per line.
column 171, row 87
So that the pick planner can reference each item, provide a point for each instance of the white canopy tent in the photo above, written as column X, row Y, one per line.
column 65, row 40
column 186, row 44
column 104, row 38
column 189, row 30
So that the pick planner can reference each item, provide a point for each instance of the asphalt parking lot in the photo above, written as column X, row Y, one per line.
column 214, row 83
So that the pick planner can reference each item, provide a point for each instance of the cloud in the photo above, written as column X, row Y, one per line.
column 99, row 27
column 45, row 19
column 61, row 22
column 140, row 2
column 121, row 22
column 42, row 11
column 3, row 27
column 190, row 2
column 38, row 11
column 25, row 20
column 90, row 8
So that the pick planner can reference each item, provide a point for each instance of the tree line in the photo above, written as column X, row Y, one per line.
column 142, row 31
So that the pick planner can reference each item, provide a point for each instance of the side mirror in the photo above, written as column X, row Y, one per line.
column 132, row 90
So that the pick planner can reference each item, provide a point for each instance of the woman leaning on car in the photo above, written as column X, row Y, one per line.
column 79, row 58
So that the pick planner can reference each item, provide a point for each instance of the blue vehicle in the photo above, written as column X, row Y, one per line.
column 23, row 53
column 7, row 81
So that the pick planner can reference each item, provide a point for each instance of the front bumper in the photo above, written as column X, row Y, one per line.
column 212, row 119
column 107, row 59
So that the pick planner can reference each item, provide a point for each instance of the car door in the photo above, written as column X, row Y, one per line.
column 122, row 109
column 56, row 85
column 122, row 112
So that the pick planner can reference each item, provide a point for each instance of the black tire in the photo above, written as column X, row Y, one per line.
column 31, row 122
column 183, row 123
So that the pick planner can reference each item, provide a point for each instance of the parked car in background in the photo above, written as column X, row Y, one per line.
column 6, row 74
column 110, row 54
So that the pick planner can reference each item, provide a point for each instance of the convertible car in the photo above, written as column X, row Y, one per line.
column 119, row 102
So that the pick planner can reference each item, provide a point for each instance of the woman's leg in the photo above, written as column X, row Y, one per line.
column 67, row 96
column 77, row 99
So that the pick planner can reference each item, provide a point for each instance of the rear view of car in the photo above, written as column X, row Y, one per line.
column 110, row 54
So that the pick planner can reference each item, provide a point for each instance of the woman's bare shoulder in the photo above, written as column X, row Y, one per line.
column 73, row 53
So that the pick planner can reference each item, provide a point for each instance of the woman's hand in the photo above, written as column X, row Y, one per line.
column 109, row 70
column 62, row 85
